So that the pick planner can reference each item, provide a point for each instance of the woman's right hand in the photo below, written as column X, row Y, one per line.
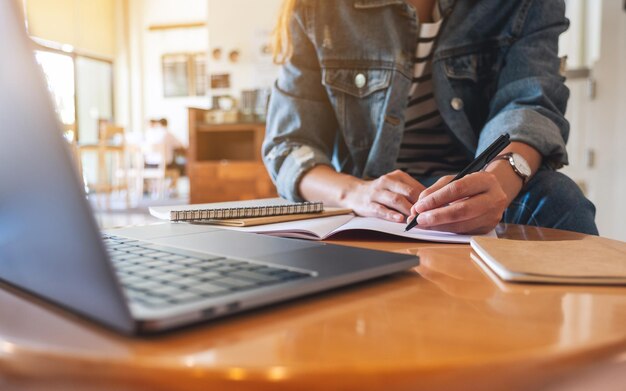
column 388, row 197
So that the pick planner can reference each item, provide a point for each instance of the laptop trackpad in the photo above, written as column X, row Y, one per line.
column 235, row 244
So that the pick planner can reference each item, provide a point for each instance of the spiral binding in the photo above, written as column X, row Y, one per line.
column 246, row 212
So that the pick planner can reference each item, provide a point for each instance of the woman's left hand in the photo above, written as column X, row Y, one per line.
column 473, row 204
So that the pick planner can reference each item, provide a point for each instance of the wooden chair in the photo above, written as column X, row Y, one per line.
column 160, row 179
column 111, row 177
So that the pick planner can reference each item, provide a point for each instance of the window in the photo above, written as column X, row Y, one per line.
column 94, row 89
column 81, row 88
column 59, row 73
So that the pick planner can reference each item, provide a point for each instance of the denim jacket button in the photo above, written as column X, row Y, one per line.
column 360, row 80
column 457, row 104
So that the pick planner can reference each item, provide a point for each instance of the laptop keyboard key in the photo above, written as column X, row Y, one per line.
column 210, row 275
column 190, row 261
column 171, row 267
column 186, row 281
column 173, row 257
column 234, row 283
column 190, row 271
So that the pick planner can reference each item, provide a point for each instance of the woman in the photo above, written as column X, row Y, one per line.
column 378, row 99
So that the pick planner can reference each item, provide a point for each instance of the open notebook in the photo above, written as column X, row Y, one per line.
column 324, row 227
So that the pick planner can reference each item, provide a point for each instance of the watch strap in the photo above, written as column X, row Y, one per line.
column 509, row 157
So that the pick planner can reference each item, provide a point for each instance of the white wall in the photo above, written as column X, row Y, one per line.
column 244, row 25
column 608, row 122
column 598, row 122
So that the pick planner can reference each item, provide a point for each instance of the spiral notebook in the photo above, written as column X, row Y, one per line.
column 246, row 213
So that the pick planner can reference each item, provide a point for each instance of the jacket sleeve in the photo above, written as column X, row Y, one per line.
column 301, row 124
column 531, row 96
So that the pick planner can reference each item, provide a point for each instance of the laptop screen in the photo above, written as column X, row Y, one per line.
column 49, row 242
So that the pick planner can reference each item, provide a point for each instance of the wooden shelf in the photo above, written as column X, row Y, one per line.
column 204, row 127
column 224, row 161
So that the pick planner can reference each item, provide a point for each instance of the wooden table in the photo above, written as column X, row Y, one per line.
column 444, row 325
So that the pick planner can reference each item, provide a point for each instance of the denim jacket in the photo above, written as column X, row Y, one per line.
column 340, row 99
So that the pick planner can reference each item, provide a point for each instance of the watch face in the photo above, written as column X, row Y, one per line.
column 521, row 164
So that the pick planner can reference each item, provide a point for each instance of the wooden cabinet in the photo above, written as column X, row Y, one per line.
column 224, row 161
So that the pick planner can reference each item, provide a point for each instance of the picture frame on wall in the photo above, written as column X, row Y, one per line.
column 220, row 81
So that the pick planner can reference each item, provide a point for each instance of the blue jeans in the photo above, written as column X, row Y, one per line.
column 551, row 200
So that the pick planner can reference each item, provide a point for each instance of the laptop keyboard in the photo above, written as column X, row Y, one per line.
column 158, row 276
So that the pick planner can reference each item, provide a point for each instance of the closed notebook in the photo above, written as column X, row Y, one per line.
column 254, row 221
column 591, row 260
column 246, row 213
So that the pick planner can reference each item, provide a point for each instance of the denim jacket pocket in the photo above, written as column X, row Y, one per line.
column 358, row 95
column 474, row 66
column 473, row 78
column 357, row 82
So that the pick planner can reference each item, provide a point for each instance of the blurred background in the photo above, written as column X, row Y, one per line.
column 163, row 101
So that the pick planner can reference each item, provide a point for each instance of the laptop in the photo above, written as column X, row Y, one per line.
column 134, row 280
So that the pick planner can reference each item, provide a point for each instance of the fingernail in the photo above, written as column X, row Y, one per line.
column 397, row 217
column 424, row 219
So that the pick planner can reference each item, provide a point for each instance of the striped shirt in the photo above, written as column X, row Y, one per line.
column 427, row 147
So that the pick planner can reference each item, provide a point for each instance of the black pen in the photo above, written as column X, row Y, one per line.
column 481, row 161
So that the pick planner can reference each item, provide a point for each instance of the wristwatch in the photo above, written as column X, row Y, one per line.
column 518, row 163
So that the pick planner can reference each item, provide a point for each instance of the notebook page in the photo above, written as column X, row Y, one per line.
column 374, row 224
column 316, row 229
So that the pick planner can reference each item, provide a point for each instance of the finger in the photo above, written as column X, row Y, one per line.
column 416, row 186
column 480, row 224
column 469, row 215
column 468, row 186
column 410, row 217
column 441, row 182
column 382, row 212
column 397, row 184
column 393, row 200
column 467, row 209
